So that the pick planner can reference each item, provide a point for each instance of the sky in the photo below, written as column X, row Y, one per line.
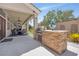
column 45, row 7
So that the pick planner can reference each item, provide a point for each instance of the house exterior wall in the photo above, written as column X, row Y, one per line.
column 2, row 27
column 3, row 14
column 67, row 25
column 9, row 26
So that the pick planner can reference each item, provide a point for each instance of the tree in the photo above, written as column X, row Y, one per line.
column 57, row 16
column 67, row 15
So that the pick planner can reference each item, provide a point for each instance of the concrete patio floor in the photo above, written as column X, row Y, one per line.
column 18, row 46
column 26, row 46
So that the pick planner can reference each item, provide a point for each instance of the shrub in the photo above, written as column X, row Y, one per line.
column 74, row 37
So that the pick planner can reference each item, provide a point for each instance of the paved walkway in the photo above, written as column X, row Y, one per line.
column 26, row 46
column 74, row 47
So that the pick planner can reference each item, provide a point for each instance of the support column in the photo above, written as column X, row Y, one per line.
column 27, row 25
column 35, row 26
column 6, row 17
column 6, row 26
column 35, row 23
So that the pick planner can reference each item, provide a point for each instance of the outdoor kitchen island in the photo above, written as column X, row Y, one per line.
column 55, row 39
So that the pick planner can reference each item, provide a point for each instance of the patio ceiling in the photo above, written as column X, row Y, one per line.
column 20, row 7
column 15, row 16
column 19, row 11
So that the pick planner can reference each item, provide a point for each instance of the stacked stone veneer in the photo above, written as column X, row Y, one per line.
column 56, row 40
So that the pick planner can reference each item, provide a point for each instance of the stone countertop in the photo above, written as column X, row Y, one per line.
column 56, row 30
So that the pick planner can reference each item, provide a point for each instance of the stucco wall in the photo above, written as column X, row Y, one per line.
column 8, row 32
column 9, row 26
column 67, row 24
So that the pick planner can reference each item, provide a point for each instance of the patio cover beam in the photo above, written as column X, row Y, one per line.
column 27, row 19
